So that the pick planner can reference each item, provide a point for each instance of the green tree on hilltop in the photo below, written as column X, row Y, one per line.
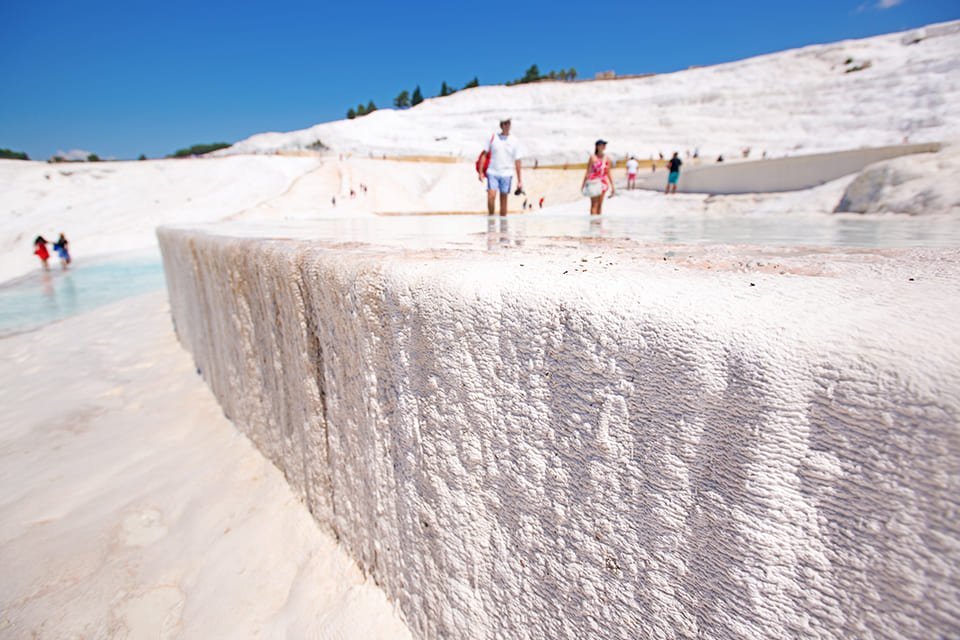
column 473, row 83
column 532, row 74
column 417, row 97
column 402, row 101
column 446, row 90
column 199, row 149
column 361, row 110
column 13, row 155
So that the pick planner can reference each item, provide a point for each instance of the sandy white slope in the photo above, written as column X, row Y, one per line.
column 131, row 508
column 795, row 101
column 113, row 207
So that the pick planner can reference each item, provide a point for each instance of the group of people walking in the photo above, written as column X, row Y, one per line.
column 61, row 246
column 499, row 164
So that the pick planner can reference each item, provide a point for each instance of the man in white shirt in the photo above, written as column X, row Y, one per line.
column 632, row 167
column 504, row 155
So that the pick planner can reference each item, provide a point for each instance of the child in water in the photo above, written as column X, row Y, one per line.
column 40, row 250
column 60, row 246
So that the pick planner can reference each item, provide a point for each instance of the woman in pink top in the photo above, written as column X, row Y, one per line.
column 597, row 180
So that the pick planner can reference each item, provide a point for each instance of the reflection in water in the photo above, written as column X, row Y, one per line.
column 772, row 230
column 644, row 225
column 47, row 281
column 491, row 233
column 68, row 297
column 498, row 234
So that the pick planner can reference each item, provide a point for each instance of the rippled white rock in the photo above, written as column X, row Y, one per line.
column 601, row 438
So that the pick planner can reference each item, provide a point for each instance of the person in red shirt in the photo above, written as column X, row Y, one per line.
column 40, row 250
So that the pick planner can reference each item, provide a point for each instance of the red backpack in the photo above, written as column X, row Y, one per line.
column 483, row 160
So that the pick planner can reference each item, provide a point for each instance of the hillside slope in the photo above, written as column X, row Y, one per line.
column 828, row 97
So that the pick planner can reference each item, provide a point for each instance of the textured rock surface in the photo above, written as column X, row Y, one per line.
column 560, row 444
column 907, row 185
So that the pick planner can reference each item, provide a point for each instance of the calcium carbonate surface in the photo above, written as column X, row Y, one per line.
column 599, row 439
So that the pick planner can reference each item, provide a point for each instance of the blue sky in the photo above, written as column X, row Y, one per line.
column 125, row 78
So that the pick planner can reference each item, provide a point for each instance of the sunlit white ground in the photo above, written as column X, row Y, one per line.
column 130, row 507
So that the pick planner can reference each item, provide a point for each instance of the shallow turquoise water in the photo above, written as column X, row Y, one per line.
column 46, row 296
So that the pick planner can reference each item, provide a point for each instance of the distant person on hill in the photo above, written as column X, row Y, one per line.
column 503, row 155
column 61, row 247
column 597, row 180
column 632, row 167
column 40, row 250
column 674, row 166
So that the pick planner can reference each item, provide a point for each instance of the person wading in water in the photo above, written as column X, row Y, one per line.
column 597, row 180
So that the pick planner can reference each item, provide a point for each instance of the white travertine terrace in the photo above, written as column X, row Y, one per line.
column 604, row 440
column 782, row 174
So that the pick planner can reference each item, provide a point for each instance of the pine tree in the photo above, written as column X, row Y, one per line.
column 417, row 97
column 142, row 157
column 402, row 101
column 370, row 108
column 572, row 74
column 473, row 83
column 446, row 90
column 532, row 74
column 351, row 114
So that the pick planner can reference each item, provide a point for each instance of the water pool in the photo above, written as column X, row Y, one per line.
column 42, row 297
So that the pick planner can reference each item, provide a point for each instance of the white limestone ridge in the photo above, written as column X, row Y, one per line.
column 552, row 443
column 844, row 95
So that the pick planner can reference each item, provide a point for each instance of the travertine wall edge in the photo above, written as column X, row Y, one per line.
column 509, row 460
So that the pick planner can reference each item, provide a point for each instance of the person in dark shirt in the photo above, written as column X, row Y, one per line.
column 674, row 166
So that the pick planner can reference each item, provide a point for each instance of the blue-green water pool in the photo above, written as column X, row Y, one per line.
column 42, row 297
